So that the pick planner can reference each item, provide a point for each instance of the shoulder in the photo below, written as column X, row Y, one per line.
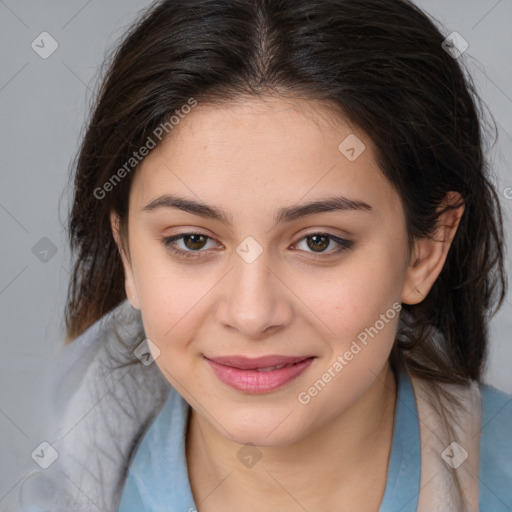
column 104, row 398
column 497, row 417
column 496, row 449
column 494, row 397
column 151, row 483
column 480, row 422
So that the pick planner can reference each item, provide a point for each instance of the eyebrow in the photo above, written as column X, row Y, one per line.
column 287, row 214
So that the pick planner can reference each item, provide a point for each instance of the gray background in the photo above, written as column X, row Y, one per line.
column 43, row 104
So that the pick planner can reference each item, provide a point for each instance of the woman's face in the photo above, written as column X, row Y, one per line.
column 264, row 273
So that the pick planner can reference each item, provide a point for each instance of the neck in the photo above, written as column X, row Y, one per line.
column 343, row 462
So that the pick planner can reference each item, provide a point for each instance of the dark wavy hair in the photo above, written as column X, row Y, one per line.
column 382, row 65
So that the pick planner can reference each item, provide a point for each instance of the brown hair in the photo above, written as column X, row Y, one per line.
column 382, row 64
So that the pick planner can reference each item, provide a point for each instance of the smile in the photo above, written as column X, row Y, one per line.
column 258, row 375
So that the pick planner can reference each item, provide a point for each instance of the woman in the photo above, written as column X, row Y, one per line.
column 288, row 247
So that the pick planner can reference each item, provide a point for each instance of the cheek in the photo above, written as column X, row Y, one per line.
column 170, row 295
column 352, row 297
column 362, row 307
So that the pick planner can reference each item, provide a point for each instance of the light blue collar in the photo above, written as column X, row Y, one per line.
column 157, row 480
column 403, row 482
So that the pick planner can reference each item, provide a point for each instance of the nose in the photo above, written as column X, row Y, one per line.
column 255, row 301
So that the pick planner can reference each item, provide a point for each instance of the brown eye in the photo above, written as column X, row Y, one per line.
column 194, row 241
column 192, row 244
column 319, row 242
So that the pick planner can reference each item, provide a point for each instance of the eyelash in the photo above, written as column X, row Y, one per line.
column 343, row 245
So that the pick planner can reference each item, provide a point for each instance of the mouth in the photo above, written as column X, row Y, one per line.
column 258, row 375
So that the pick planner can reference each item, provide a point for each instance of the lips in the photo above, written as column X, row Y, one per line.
column 261, row 374
column 265, row 363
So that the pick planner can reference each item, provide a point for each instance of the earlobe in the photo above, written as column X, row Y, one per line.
column 416, row 284
column 429, row 254
column 129, row 280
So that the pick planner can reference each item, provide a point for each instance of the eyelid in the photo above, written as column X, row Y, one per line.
column 343, row 244
column 168, row 240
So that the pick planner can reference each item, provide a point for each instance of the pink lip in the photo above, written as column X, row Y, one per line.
column 241, row 373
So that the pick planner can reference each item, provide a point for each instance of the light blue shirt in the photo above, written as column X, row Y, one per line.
column 157, row 479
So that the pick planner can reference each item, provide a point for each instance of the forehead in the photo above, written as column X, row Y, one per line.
column 279, row 150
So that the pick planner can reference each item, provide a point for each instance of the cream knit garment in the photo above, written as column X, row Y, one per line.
column 438, row 489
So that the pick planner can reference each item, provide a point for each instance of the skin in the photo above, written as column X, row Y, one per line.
column 249, row 159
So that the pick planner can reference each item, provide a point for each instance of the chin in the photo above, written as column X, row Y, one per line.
column 263, row 432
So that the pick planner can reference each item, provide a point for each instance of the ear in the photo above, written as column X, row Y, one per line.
column 429, row 254
column 129, row 280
